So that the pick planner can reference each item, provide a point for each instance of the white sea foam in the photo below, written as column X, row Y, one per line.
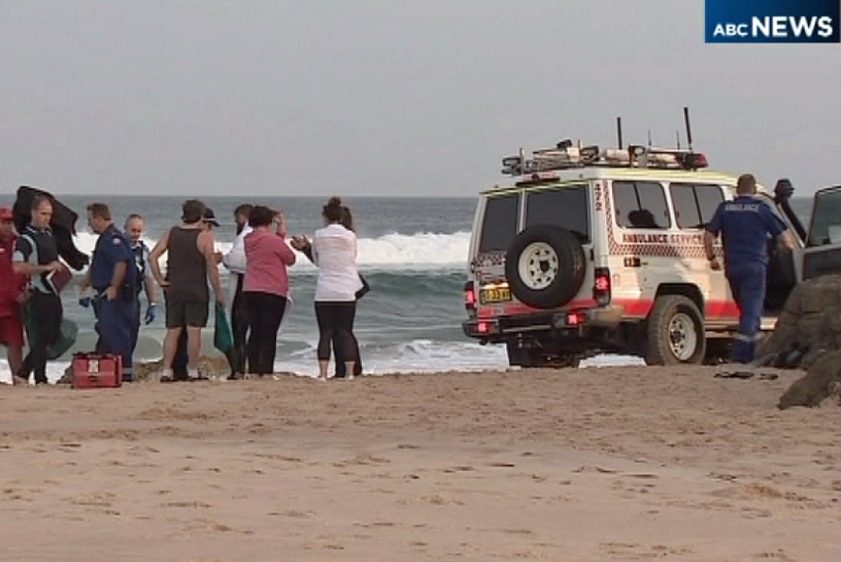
column 391, row 251
column 419, row 356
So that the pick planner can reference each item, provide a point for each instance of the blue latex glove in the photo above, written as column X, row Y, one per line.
column 150, row 313
column 85, row 302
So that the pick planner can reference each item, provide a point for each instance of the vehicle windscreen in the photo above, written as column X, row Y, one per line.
column 826, row 219
column 499, row 226
column 562, row 206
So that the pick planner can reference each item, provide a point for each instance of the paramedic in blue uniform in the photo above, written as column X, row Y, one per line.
column 747, row 225
column 145, row 282
column 114, row 279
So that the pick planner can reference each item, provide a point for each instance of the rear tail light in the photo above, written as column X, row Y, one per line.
column 469, row 296
column 601, row 286
column 575, row 318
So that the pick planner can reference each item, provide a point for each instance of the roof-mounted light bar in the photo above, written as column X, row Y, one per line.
column 566, row 156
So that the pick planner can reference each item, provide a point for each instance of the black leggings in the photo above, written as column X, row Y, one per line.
column 265, row 311
column 335, row 320
column 46, row 310
column 239, row 327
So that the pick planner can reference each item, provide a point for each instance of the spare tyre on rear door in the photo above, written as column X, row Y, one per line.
column 545, row 266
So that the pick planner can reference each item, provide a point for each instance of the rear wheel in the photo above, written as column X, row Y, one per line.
column 675, row 330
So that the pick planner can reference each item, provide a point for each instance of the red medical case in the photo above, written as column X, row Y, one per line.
column 91, row 370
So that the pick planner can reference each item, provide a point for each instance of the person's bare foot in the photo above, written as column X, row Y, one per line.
column 16, row 380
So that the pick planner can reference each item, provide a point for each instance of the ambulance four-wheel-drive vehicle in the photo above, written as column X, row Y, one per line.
column 594, row 250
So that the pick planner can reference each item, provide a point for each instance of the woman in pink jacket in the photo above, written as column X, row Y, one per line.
column 265, row 286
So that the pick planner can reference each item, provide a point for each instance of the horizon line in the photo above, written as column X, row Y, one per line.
column 238, row 196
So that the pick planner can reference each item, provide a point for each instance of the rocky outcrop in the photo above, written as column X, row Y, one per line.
column 808, row 336
column 809, row 326
column 822, row 380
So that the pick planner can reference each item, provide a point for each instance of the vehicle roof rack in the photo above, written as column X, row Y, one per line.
column 565, row 155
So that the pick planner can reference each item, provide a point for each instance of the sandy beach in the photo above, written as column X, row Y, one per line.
column 615, row 463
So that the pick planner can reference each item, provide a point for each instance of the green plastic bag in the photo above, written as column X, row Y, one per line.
column 223, row 339
column 66, row 338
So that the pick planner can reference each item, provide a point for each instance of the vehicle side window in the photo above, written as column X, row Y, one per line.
column 640, row 205
column 566, row 207
column 826, row 218
column 499, row 227
column 694, row 204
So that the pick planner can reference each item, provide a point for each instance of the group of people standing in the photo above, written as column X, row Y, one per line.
column 123, row 267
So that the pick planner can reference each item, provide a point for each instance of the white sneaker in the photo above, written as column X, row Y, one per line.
column 165, row 376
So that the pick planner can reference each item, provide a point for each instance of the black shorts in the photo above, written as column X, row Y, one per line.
column 183, row 314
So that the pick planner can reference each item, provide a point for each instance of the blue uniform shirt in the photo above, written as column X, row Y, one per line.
column 141, row 260
column 745, row 224
column 111, row 249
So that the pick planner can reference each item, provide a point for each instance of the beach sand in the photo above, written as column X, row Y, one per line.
column 615, row 463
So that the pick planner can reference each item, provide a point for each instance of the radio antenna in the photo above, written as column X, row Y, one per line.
column 619, row 131
column 688, row 128
column 677, row 137
column 649, row 138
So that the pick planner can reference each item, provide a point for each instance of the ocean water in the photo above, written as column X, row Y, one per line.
column 412, row 251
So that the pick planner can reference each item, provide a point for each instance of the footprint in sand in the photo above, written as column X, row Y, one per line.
column 196, row 504
column 293, row 514
column 362, row 460
column 636, row 551
column 434, row 499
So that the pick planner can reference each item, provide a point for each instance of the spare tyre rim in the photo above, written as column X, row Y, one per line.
column 538, row 266
column 683, row 336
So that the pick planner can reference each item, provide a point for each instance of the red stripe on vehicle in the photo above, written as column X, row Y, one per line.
column 639, row 308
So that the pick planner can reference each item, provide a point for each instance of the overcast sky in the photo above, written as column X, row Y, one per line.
column 386, row 97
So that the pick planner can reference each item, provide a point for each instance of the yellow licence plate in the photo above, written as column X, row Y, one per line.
column 494, row 294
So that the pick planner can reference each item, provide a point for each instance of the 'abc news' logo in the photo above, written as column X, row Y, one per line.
column 772, row 21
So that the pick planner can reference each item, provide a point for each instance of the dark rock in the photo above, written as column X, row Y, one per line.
column 819, row 383
column 811, row 320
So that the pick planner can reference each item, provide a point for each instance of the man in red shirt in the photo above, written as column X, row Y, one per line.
column 12, row 295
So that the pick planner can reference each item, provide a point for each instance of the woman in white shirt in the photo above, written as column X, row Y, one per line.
column 334, row 252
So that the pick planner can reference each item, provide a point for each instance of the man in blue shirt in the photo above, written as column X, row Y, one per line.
column 746, row 225
column 113, row 277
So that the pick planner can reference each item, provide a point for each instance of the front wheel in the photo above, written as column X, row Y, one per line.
column 675, row 330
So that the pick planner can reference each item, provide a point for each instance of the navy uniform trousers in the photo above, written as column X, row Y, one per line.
column 115, row 325
column 747, row 283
